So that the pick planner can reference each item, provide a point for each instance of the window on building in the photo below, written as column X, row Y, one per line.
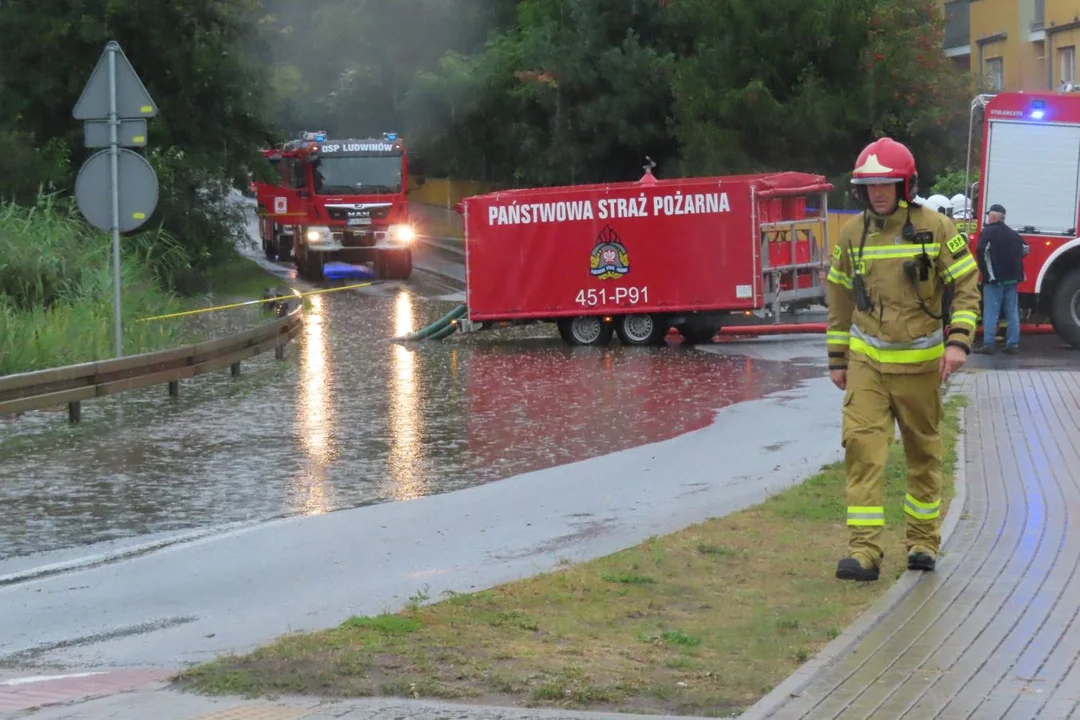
column 1067, row 63
column 995, row 73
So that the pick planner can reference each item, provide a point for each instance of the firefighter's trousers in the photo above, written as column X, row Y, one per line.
column 874, row 403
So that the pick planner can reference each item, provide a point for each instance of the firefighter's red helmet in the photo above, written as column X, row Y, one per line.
column 887, row 161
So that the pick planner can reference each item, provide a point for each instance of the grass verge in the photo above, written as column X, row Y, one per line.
column 56, row 289
column 237, row 280
column 704, row 621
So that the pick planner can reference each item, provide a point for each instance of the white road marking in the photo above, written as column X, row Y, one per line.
column 46, row 678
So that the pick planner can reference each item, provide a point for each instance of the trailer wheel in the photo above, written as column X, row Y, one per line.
column 588, row 330
column 640, row 329
column 1065, row 308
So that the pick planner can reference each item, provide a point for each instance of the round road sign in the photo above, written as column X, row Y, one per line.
column 137, row 186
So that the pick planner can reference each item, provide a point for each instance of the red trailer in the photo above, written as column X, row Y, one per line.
column 638, row 258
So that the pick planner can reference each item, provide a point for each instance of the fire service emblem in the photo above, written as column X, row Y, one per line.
column 609, row 259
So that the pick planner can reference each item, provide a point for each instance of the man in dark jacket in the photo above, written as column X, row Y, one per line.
column 1000, row 253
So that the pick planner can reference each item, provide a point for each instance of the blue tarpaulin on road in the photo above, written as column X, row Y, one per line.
column 345, row 271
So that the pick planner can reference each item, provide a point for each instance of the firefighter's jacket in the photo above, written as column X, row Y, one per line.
column 896, row 334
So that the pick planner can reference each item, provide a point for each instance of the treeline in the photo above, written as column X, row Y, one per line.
column 55, row 279
column 510, row 91
column 570, row 91
column 215, row 106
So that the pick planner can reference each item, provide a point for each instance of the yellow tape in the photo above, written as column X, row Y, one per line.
column 255, row 302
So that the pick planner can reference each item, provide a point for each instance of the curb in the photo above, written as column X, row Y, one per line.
column 442, row 276
column 445, row 244
column 840, row 646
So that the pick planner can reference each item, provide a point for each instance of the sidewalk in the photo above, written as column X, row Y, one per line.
column 993, row 633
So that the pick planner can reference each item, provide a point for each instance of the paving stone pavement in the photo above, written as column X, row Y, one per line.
column 994, row 633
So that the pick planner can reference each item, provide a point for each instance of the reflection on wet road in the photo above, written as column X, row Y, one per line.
column 352, row 420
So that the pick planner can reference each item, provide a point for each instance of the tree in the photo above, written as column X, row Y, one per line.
column 355, row 60
column 794, row 85
column 578, row 91
column 581, row 90
column 213, row 108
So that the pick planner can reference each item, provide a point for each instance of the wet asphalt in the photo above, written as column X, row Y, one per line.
column 350, row 419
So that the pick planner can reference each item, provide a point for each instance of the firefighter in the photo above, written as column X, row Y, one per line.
column 889, row 352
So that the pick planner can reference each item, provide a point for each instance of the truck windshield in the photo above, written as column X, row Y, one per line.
column 358, row 175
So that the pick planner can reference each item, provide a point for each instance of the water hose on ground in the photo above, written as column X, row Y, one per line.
column 820, row 328
column 445, row 332
column 441, row 328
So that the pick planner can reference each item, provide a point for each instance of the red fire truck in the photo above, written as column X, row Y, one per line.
column 638, row 258
column 1031, row 166
column 337, row 205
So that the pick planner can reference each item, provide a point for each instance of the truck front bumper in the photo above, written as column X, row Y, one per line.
column 395, row 237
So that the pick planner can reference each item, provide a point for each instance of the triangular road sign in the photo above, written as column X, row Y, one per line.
column 132, row 99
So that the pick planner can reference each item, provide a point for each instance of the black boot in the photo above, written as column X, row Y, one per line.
column 920, row 560
column 851, row 569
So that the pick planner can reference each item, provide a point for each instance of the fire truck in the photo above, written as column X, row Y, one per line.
column 338, row 205
column 1031, row 165
column 638, row 258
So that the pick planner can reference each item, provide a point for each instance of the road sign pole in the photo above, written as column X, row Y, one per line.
column 114, row 153
column 114, row 105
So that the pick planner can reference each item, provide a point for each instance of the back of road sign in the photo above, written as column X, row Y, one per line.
column 132, row 99
column 131, row 133
column 137, row 185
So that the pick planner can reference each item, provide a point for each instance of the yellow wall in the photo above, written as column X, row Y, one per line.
column 1024, row 58
column 1023, row 65
column 1062, row 12
column 447, row 193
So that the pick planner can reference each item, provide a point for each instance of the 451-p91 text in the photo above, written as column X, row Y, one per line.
column 614, row 296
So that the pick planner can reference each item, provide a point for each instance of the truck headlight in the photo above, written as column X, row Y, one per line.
column 318, row 235
column 403, row 234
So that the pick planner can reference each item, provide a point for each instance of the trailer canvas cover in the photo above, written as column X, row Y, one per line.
column 636, row 247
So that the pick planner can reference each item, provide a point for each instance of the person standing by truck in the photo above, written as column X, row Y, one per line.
column 1000, row 253
column 888, row 350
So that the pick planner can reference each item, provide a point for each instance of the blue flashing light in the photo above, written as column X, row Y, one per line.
column 1038, row 109
column 391, row 136
column 320, row 138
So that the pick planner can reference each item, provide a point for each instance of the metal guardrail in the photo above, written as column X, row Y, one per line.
column 74, row 383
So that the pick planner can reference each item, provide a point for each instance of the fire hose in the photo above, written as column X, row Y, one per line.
column 443, row 327
column 814, row 328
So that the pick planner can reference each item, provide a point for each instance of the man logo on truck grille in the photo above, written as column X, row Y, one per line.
column 609, row 258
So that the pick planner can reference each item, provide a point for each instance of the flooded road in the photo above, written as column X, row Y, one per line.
column 350, row 420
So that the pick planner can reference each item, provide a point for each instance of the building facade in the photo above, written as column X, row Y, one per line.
column 1014, row 44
